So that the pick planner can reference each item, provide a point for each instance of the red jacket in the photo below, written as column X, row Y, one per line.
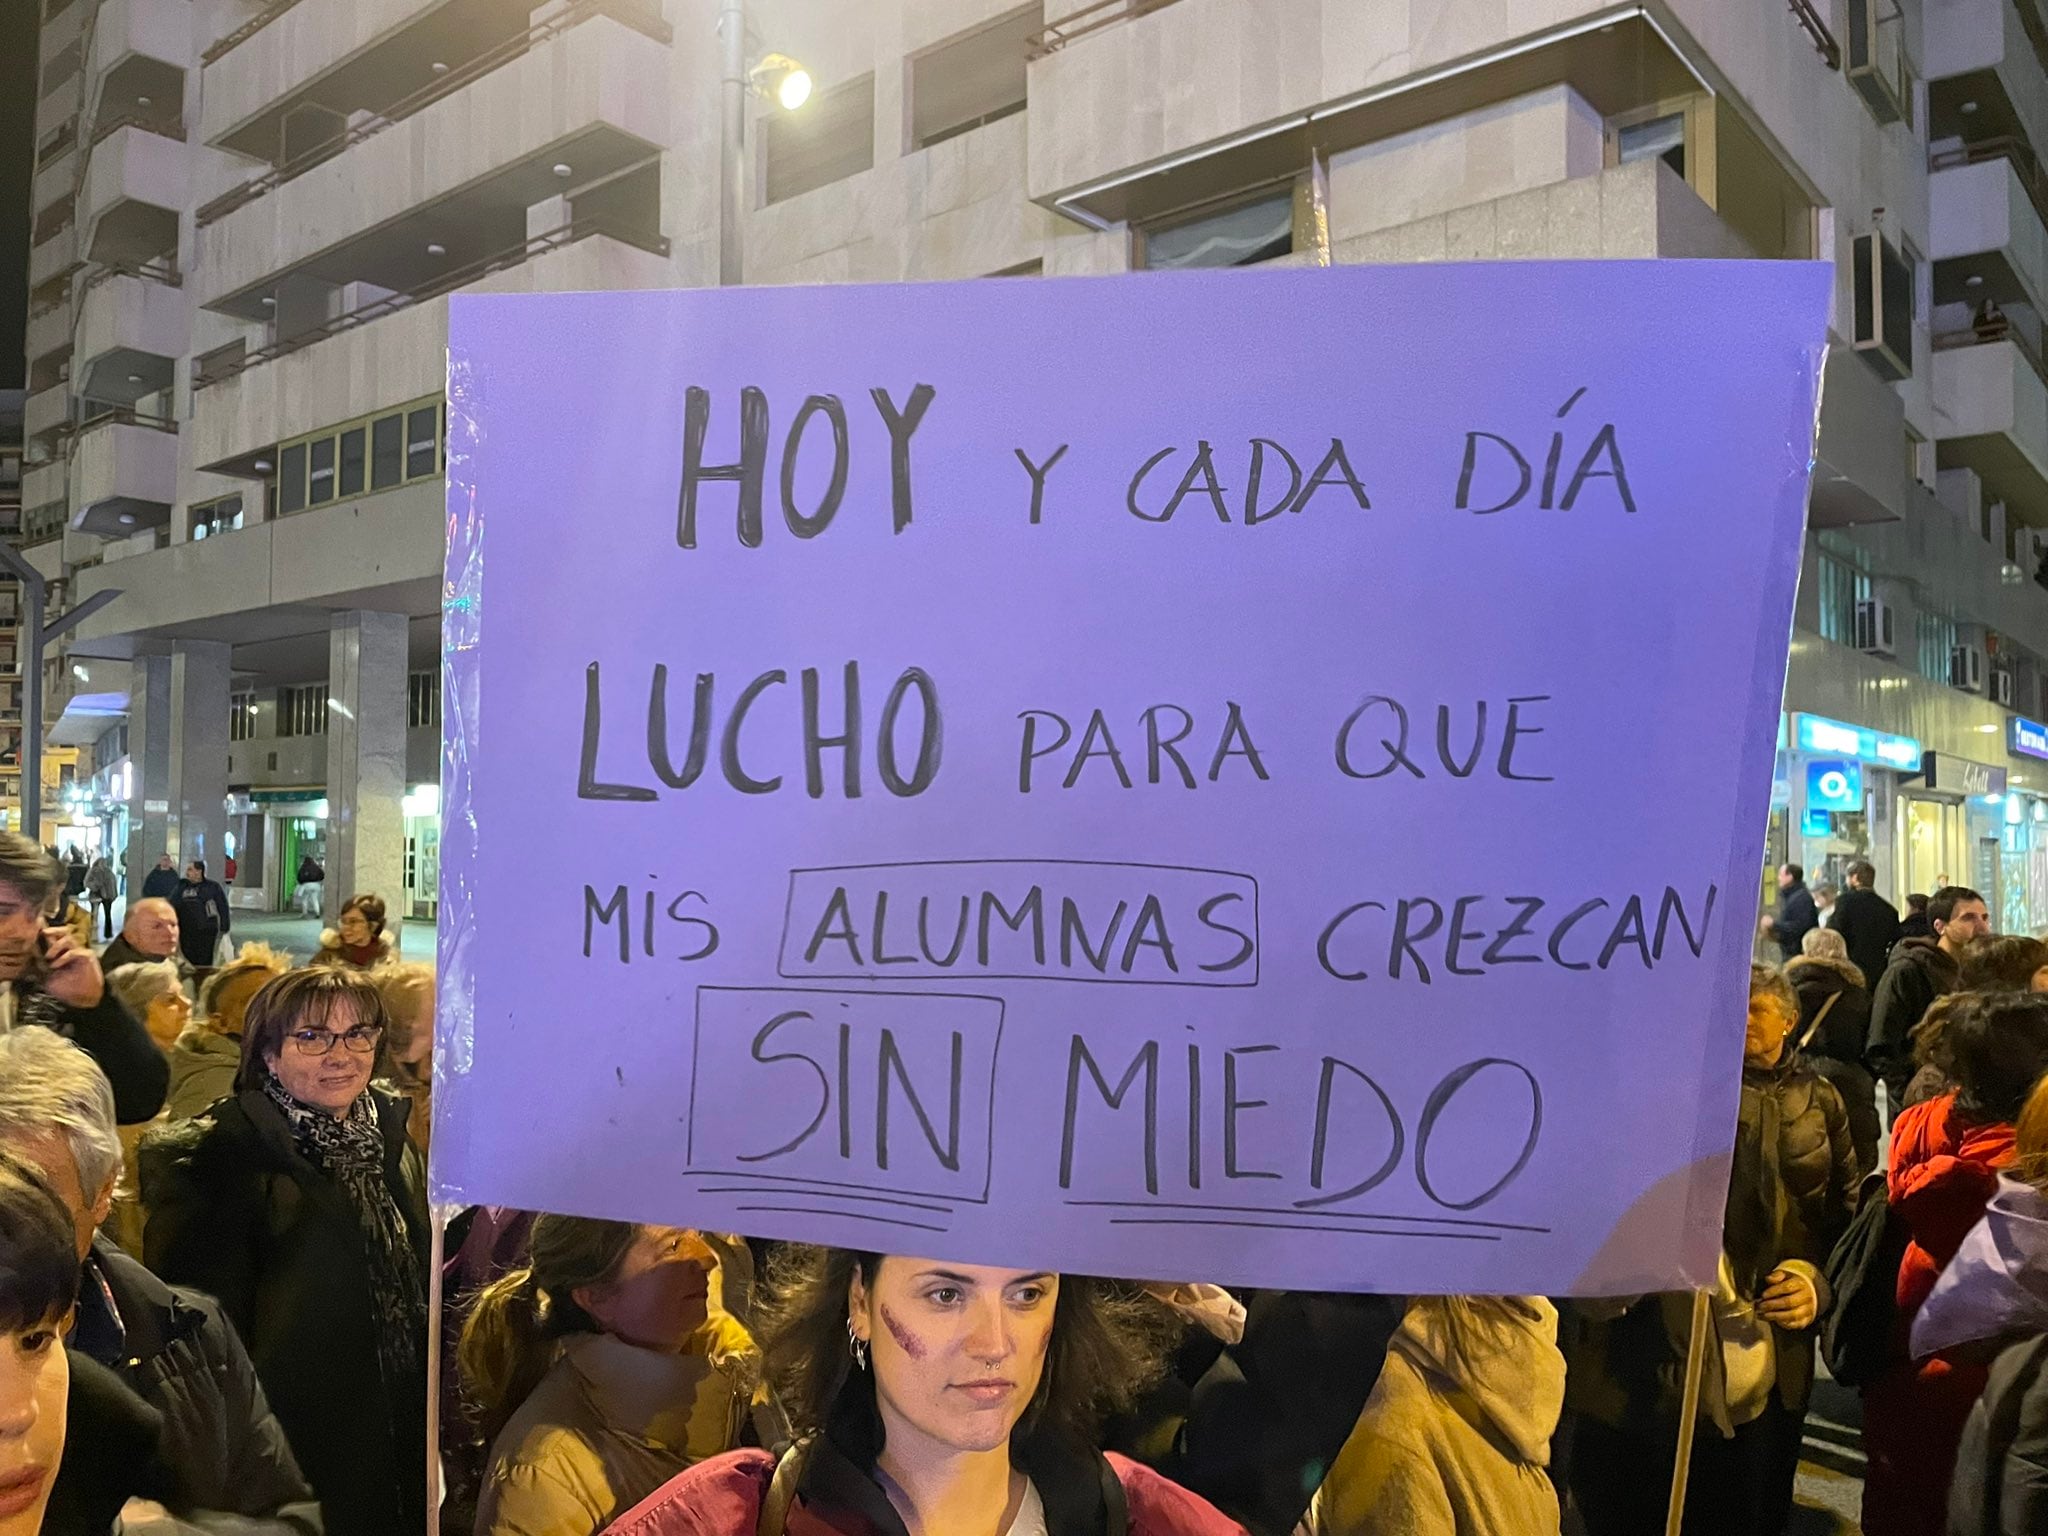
column 1944, row 1171
column 722, row 1497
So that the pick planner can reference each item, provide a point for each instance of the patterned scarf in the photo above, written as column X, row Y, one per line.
column 350, row 1151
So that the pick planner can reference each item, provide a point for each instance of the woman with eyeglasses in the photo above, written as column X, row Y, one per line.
column 301, row 1205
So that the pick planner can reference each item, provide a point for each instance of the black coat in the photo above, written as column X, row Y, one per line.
column 111, row 1036
column 1836, row 1049
column 111, row 1442
column 222, row 1448
column 1253, row 1426
column 235, row 1211
column 1869, row 925
column 2001, row 1477
column 1796, row 917
column 1920, row 971
column 202, row 907
column 160, row 883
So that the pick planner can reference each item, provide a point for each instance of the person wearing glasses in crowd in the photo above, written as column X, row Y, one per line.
column 300, row 1203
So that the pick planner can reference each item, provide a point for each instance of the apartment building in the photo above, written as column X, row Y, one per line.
column 247, row 218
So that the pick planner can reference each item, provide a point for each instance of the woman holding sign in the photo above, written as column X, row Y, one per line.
column 937, row 1396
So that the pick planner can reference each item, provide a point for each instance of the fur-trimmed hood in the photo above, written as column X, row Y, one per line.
column 331, row 952
column 1806, row 965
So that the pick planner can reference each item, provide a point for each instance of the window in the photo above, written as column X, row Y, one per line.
column 1936, row 638
column 1661, row 137
column 207, row 519
column 302, row 711
column 972, row 79
column 352, row 464
column 423, row 699
column 422, row 442
column 1233, row 237
column 291, row 479
column 241, row 716
column 831, row 139
column 321, row 458
column 1842, row 588
column 387, row 452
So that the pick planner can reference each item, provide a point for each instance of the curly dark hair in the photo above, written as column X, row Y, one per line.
column 1109, row 1342
column 1994, row 1052
column 2003, row 962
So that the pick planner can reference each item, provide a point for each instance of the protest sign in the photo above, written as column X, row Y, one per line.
column 1255, row 777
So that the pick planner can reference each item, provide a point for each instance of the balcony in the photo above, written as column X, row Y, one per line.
column 140, row 52
column 60, row 32
column 1984, row 75
column 56, row 178
column 46, row 412
column 132, row 326
column 1988, row 206
column 49, row 330
column 401, row 341
column 54, row 256
column 383, row 552
column 338, row 58
column 1991, row 415
column 1116, row 137
column 135, row 185
column 124, row 473
column 58, row 103
column 44, row 484
column 404, row 200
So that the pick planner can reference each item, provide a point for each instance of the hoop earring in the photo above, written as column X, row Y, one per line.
column 856, row 1346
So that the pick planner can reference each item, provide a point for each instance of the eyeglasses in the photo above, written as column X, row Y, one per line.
column 318, row 1042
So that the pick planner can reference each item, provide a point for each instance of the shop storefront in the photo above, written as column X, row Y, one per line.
column 422, row 851
column 1952, row 828
column 2024, row 838
column 1837, row 800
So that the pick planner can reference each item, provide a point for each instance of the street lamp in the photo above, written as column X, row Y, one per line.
column 777, row 78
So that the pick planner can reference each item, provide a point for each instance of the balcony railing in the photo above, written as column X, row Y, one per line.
column 2016, row 152
column 247, row 30
column 103, row 414
column 1815, row 26
column 163, row 270
column 56, row 141
column 1092, row 17
column 633, row 13
column 447, row 282
column 163, row 124
column 1986, row 333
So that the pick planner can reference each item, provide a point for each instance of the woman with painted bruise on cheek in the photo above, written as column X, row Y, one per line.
column 939, row 1398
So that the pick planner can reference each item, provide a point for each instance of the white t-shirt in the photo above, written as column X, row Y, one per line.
column 1030, row 1519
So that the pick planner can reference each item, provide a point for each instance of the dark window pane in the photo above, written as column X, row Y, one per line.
column 353, row 442
column 322, row 476
column 422, row 433
column 387, row 452
column 1663, row 137
column 1238, row 237
column 291, row 478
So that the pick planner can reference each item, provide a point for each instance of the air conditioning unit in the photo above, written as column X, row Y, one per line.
column 1883, row 319
column 1876, row 59
column 2001, row 688
column 1874, row 628
column 1966, row 668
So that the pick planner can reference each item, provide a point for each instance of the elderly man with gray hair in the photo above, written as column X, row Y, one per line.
column 221, row 1453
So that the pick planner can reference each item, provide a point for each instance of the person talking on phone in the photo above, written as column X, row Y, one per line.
column 48, row 978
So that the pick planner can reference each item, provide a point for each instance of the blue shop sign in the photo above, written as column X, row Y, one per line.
column 1834, row 784
column 1817, row 824
column 1817, row 733
column 2028, row 738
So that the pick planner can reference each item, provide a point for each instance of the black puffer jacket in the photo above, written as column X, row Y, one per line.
column 1836, row 1049
column 2001, row 1480
column 237, row 1212
column 221, row 1444
column 1920, row 971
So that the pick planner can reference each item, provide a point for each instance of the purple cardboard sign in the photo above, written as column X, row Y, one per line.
column 1252, row 777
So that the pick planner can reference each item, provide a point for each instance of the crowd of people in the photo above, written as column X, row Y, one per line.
column 215, row 1314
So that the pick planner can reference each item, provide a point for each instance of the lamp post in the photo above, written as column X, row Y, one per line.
column 736, row 81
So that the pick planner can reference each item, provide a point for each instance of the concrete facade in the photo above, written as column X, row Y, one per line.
column 347, row 163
